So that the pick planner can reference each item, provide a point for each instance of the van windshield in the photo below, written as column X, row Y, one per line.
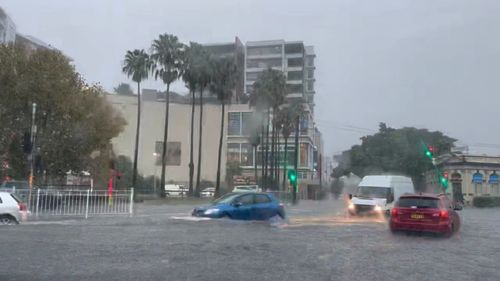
column 373, row 192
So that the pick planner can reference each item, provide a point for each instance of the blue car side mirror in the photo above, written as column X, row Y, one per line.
column 237, row 204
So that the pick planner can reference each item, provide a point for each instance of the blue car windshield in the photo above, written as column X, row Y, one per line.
column 225, row 199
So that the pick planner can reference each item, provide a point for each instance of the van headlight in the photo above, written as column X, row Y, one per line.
column 351, row 206
column 377, row 208
column 211, row 211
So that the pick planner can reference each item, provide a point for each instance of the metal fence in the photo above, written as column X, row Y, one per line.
column 287, row 196
column 48, row 202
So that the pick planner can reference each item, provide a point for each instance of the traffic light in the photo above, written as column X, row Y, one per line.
column 429, row 151
column 292, row 176
column 443, row 181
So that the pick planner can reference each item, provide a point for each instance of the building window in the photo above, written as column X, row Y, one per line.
column 234, row 124
column 310, row 73
column 295, row 62
column 295, row 75
column 265, row 50
column 303, row 151
column 246, row 154
column 233, row 152
column 310, row 86
column 493, row 179
column 173, row 153
column 264, row 63
column 246, row 123
column 477, row 180
column 249, row 89
column 304, row 125
column 252, row 76
column 295, row 88
column 310, row 61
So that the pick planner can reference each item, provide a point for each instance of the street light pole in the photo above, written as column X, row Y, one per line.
column 156, row 169
column 32, row 154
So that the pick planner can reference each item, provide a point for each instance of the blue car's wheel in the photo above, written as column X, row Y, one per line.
column 227, row 215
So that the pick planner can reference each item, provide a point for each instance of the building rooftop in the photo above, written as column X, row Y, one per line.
column 467, row 158
column 310, row 50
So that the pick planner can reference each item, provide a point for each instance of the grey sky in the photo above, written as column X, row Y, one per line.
column 424, row 63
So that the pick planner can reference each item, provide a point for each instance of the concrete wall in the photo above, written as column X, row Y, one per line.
column 152, row 128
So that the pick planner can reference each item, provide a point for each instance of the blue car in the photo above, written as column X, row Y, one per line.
column 243, row 206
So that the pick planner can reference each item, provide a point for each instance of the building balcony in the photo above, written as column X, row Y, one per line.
column 264, row 56
column 294, row 55
column 294, row 95
column 294, row 68
column 260, row 69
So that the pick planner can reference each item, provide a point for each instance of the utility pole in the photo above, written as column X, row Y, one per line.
column 32, row 152
column 296, row 160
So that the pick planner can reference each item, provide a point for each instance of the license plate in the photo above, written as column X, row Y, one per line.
column 417, row 216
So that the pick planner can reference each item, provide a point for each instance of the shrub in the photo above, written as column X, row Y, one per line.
column 486, row 201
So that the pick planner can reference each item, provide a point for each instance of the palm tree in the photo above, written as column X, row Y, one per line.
column 224, row 80
column 254, row 140
column 137, row 65
column 260, row 100
column 287, row 117
column 190, row 77
column 204, row 79
column 270, row 88
column 167, row 53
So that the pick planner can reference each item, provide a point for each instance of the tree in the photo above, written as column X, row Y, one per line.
column 168, row 55
column 137, row 65
column 397, row 151
column 74, row 120
column 255, row 138
column 192, row 76
column 269, row 94
column 224, row 79
column 123, row 89
column 287, row 120
column 204, row 79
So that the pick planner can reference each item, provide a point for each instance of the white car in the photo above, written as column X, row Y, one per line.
column 10, row 208
column 208, row 192
column 175, row 190
column 247, row 188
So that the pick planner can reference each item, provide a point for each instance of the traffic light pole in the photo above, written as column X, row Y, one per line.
column 295, row 162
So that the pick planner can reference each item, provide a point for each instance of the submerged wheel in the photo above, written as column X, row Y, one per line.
column 7, row 220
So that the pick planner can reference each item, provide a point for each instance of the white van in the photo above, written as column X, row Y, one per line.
column 377, row 194
column 175, row 190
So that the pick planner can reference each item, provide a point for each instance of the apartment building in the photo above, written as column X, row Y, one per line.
column 293, row 58
column 7, row 28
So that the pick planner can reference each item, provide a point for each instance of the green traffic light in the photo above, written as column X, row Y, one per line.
column 444, row 181
column 292, row 176
column 428, row 154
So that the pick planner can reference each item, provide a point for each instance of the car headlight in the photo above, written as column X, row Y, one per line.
column 351, row 206
column 377, row 208
column 211, row 211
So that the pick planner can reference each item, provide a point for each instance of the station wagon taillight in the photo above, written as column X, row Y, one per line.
column 22, row 206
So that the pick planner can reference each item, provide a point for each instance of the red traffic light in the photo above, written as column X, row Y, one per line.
column 445, row 175
column 431, row 148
